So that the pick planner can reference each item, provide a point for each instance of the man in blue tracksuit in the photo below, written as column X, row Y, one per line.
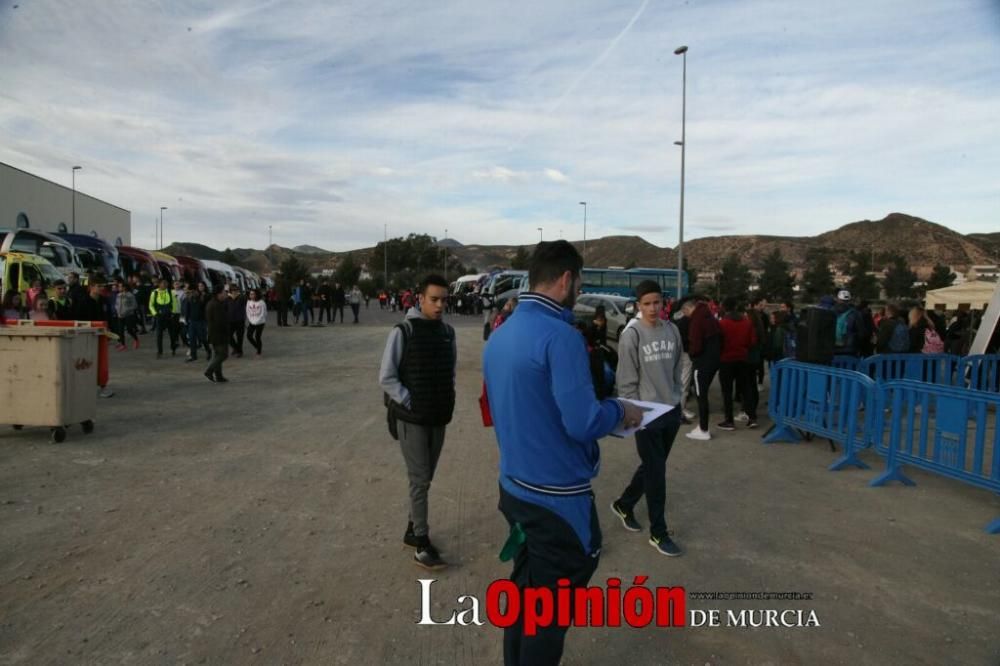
column 547, row 421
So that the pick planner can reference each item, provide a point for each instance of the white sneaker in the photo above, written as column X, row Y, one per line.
column 742, row 417
column 699, row 434
column 689, row 415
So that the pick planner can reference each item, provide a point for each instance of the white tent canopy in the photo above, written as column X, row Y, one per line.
column 975, row 295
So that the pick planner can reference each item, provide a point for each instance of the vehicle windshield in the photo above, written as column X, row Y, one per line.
column 49, row 272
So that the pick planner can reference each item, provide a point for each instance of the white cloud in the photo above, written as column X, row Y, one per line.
column 328, row 120
column 556, row 176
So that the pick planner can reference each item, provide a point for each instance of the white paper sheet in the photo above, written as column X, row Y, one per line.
column 653, row 411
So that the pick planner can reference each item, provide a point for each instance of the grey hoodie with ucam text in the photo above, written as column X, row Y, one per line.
column 649, row 363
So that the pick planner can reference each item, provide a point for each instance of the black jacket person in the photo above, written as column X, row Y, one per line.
column 418, row 378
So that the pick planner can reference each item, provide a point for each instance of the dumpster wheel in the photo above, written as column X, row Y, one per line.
column 58, row 434
column 17, row 427
column 88, row 426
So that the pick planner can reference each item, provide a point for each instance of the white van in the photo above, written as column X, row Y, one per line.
column 220, row 273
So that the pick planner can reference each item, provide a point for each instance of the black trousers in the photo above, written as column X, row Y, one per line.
column 236, row 329
column 327, row 309
column 551, row 551
column 254, row 332
column 702, row 377
column 742, row 375
column 282, row 313
column 339, row 307
column 219, row 354
column 165, row 324
column 355, row 308
column 650, row 479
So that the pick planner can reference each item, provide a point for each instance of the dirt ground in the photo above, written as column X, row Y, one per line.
column 260, row 522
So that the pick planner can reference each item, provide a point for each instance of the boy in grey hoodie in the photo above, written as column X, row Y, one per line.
column 649, row 369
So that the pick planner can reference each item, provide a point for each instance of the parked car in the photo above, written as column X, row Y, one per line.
column 194, row 271
column 95, row 254
column 617, row 309
column 136, row 261
column 58, row 251
column 18, row 270
column 170, row 268
column 221, row 274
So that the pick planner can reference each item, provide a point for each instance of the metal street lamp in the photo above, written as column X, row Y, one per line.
column 385, row 255
column 682, row 51
column 446, row 256
column 75, row 169
column 584, row 204
column 539, row 234
column 162, row 208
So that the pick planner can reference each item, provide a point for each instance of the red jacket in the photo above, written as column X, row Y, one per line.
column 701, row 330
column 738, row 337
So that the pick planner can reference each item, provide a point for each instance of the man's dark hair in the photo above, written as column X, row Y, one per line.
column 432, row 279
column 790, row 306
column 730, row 305
column 755, row 301
column 550, row 260
column 647, row 287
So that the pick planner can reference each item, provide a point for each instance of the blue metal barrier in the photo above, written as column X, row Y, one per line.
column 980, row 372
column 842, row 362
column 823, row 401
column 931, row 368
column 950, row 431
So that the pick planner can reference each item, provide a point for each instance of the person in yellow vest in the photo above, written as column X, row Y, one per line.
column 163, row 305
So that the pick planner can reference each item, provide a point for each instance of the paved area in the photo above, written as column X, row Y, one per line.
column 260, row 522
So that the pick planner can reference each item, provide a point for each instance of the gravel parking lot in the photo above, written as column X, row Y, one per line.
column 260, row 522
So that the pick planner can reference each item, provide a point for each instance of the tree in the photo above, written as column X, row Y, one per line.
column 818, row 278
column 776, row 283
column 862, row 284
column 410, row 258
column 229, row 257
column 293, row 270
column 734, row 278
column 941, row 277
column 899, row 279
column 692, row 276
column 347, row 272
column 520, row 259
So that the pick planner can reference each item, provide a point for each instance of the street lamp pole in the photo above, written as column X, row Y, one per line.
column 270, row 236
column 682, row 51
column 75, row 169
column 539, row 234
column 162, row 208
column 385, row 255
column 446, row 256
column 584, row 204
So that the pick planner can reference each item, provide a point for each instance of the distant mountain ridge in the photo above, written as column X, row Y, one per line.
column 923, row 243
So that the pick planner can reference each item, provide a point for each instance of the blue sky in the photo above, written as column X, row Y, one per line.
column 328, row 120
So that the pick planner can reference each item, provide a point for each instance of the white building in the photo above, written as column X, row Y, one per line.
column 30, row 202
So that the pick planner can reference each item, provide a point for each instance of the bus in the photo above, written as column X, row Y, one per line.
column 623, row 281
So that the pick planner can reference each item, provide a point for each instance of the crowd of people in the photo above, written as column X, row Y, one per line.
column 218, row 321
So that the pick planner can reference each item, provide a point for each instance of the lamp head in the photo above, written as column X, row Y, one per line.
column 680, row 49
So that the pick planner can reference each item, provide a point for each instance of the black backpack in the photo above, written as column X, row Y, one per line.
column 816, row 335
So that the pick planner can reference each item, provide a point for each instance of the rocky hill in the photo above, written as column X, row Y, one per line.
column 923, row 243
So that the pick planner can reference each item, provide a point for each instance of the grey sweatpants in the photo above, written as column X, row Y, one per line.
column 421, row 446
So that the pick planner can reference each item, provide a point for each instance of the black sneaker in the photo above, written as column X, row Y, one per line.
column 409, row 538
column 752, row 423
column 627, row 517
column 428, row 557
column 665, row 546
column 210, row 376
column 221, row 379
column 726, row 425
